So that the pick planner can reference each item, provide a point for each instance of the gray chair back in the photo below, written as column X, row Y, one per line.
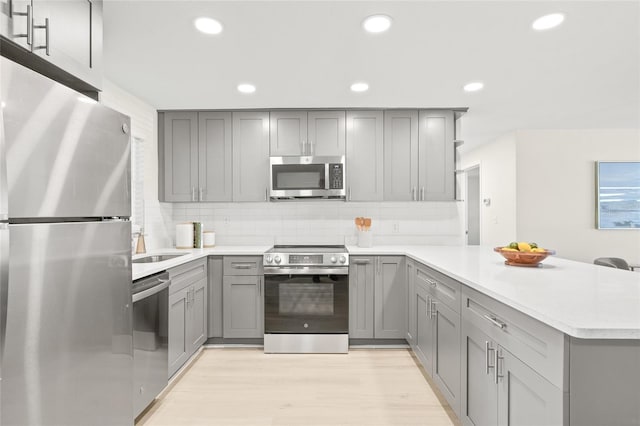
column 612, row 262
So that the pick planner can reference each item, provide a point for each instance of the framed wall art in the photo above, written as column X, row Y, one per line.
column 618, row 194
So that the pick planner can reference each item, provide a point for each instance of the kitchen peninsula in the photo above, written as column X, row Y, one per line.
column 562, row 339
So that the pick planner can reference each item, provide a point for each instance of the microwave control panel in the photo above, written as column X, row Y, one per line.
column 336, row 176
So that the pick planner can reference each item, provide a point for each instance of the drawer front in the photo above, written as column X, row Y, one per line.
column 441, row 287
column 184, row 275
column 242, row 265
column 536, row 344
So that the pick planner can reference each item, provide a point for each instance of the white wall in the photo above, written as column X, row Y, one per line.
column 143, row 126
column 542, row 188
column 556, row 201
column 497, row 163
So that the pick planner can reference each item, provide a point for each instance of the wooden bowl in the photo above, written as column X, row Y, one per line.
column 523, row 258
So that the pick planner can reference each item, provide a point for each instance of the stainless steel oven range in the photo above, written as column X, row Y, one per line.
column 306, row 300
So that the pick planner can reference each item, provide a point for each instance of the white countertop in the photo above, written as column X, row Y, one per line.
column 579, row 299
column 141, row 270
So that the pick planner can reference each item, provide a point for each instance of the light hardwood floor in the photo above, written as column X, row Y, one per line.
column 248, row 387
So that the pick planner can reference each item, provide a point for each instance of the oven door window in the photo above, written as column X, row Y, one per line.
column 298, row 176
column 306, row 304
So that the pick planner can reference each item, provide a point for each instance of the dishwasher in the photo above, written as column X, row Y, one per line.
column 150, row 339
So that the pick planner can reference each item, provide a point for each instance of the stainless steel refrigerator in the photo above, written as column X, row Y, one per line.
column 65, row 256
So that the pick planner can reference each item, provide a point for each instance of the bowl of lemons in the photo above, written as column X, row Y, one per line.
column 523, row 254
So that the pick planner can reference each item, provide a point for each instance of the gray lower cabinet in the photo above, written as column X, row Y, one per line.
column 215, row 306
column 187, row 312
column 243, row 294
column 251, row 156
column 438, row 331
column 65, row 33
column 195, row 156
column 503, row 390
column 365, row 156
column 377, row 297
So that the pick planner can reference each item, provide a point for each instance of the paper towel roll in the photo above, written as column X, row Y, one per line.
column 209, row 239
column 184, row 235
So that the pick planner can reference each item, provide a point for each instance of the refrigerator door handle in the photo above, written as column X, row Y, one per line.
column 4, row 187
column 4, row 282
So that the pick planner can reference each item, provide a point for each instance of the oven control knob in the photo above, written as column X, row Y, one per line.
column 278, row 260
column 343, row 259
column 333, row 259
column 269, row 259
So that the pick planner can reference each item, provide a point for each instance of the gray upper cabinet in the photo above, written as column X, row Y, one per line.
column 326, row 133
column 195, row 156
column 364, row 155
column 65, row 33
column 436, row 156
column 320, row 133
column 215, row 154
column 15, row 24
column 288, row 131
column 401, row 155
column 250, row 156
column 178, row 146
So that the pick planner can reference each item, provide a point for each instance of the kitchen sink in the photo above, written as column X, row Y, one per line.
column 156, row 258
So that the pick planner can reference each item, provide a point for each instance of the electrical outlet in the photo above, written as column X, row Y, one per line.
column 396, row 227
column 227, row 221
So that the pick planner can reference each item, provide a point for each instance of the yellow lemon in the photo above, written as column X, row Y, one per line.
column 538, row 250
column 522, row 246
column 508, row 249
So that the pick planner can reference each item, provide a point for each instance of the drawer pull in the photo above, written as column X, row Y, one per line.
column 241, row 266
column 496, row 322
column 361, row 262
column 432, row 283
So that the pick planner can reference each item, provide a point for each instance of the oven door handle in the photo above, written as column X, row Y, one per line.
column 305, row 271
column 151, row 291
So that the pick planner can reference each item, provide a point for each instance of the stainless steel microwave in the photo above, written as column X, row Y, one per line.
column 307, row 177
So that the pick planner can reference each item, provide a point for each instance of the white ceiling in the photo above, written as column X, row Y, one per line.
column 583, row 74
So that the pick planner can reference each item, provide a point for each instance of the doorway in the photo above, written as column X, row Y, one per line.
column 472, row 181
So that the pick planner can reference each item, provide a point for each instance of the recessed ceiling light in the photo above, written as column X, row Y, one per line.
column 3, row 104
column 377, row 23
column 208, row 25
column 359, row 87
column 246, row 88
column 473, row 86
column 547, row 22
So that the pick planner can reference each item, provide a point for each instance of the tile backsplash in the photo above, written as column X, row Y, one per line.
column 313, row 222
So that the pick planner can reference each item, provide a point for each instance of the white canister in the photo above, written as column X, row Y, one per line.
column 365, row 239
column 184, row 235
column 209, row 238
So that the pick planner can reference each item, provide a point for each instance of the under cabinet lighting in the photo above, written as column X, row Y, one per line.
column 377, row 23
column 548, row 21
column 246, row 88
column 208, row 25
column 473, row 86
column 359, row 87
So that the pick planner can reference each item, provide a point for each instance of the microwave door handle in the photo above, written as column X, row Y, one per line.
column 327, row 183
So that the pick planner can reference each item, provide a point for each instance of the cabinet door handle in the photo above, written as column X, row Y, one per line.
column 431, row 282
column 434, row 309
column 46, row 28
column 349, row 193
column 29, row 15
column 487, row 349
column 201, row 192
column 428, row 307
column 498, row 370
column 493, row 320
column 266, row 194
column 413, row 194
column 193, row 193
column 259, row 286
column 422, row 194
column 310, row 147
